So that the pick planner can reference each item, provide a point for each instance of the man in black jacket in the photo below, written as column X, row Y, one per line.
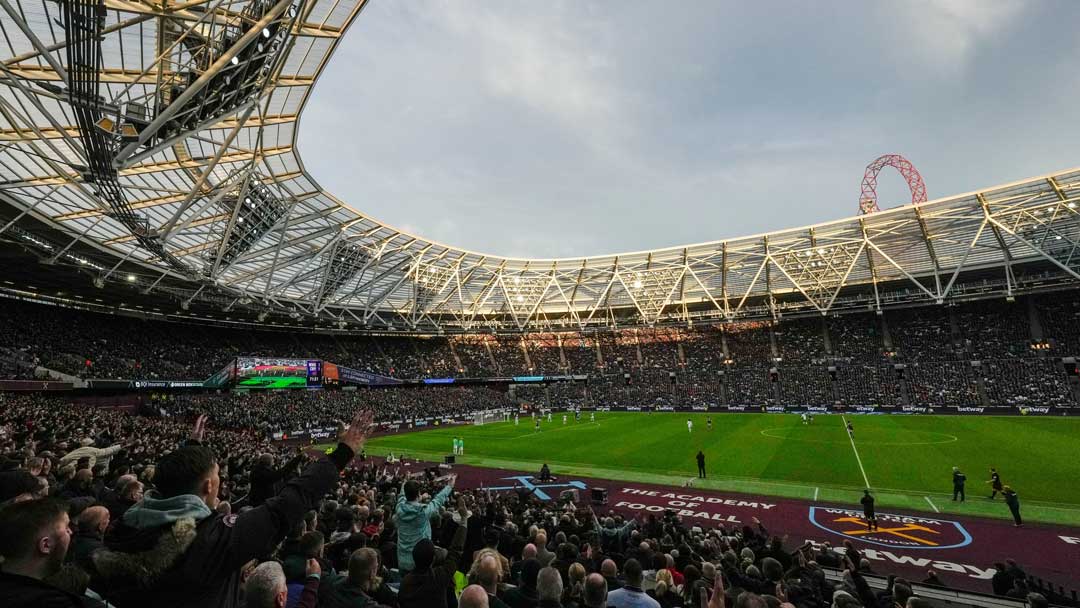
column 91, row 530
column 524, row 595
column 34, row 539
column 868, row 510
column 128, row 491
column 172, row 549
column 958, row 480
column 1013, row 501
column 265, row 479
column 1002, row 581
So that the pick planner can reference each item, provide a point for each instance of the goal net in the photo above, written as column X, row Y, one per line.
column 483, row 418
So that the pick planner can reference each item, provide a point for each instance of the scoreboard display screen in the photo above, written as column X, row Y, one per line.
column 314, row 372
column 259, row 372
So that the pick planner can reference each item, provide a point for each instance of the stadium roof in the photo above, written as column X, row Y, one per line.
column 153, row 144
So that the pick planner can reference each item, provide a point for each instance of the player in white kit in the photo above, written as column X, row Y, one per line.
column 689, row 425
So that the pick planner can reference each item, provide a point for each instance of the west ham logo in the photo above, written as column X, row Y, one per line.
column 526, row 482
column 898, row 531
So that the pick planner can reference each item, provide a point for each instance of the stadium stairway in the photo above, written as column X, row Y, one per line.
column 943, row 596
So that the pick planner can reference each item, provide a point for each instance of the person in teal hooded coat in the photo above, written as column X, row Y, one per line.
column 414, row 518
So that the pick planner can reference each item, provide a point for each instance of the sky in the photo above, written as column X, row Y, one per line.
column 560, row 129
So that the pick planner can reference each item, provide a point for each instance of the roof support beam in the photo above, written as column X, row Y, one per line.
column 1006, row 257
column 200, row 83
column 17, row 17
column 197, row 188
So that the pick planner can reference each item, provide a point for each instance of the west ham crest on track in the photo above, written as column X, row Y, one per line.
column 904, row 531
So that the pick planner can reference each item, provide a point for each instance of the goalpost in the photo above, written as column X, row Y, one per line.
column 482, row 418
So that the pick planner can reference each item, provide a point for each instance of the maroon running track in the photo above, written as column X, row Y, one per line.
column 961, row 550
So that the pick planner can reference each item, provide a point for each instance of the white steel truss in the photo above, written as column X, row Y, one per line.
column 181, row 183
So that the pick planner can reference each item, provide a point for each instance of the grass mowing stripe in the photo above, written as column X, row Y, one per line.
column 851, row 436
column 1032, row 454
column 760, row 488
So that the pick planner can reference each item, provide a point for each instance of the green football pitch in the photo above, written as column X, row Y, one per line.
column 906, row 460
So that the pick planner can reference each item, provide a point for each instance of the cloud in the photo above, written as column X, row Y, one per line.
column 579, row 128
column 945, row 35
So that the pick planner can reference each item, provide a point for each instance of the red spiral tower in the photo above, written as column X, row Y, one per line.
column 868, row 199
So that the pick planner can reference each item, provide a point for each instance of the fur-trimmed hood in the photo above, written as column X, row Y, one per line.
column 143, row 567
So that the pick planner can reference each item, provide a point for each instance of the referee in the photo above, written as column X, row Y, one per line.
column 868, row 510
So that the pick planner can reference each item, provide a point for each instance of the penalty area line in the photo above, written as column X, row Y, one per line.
column 932, row 505
column 851, row 437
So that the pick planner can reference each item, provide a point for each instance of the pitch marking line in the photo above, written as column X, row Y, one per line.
column 575, row 427
column 949, row 438
column 816, row 493
column 932, row 505
column 851, row 436
column 671, row 478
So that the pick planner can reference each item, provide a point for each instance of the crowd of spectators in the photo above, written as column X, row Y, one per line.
column 1026, row 382
column 659, row 348
column 920, row 334
column 703, row 350
column 545, row 352
column 290, row 411
column 620, row 350
column 99, row 506
column 580, row 350
column 943, row 383
column 862, row 384
column 510, row 355
column 992, row 330
column 848, row 359
column 475, row 353
column 750, row 343
column 801, row 341
column 1059, row 314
